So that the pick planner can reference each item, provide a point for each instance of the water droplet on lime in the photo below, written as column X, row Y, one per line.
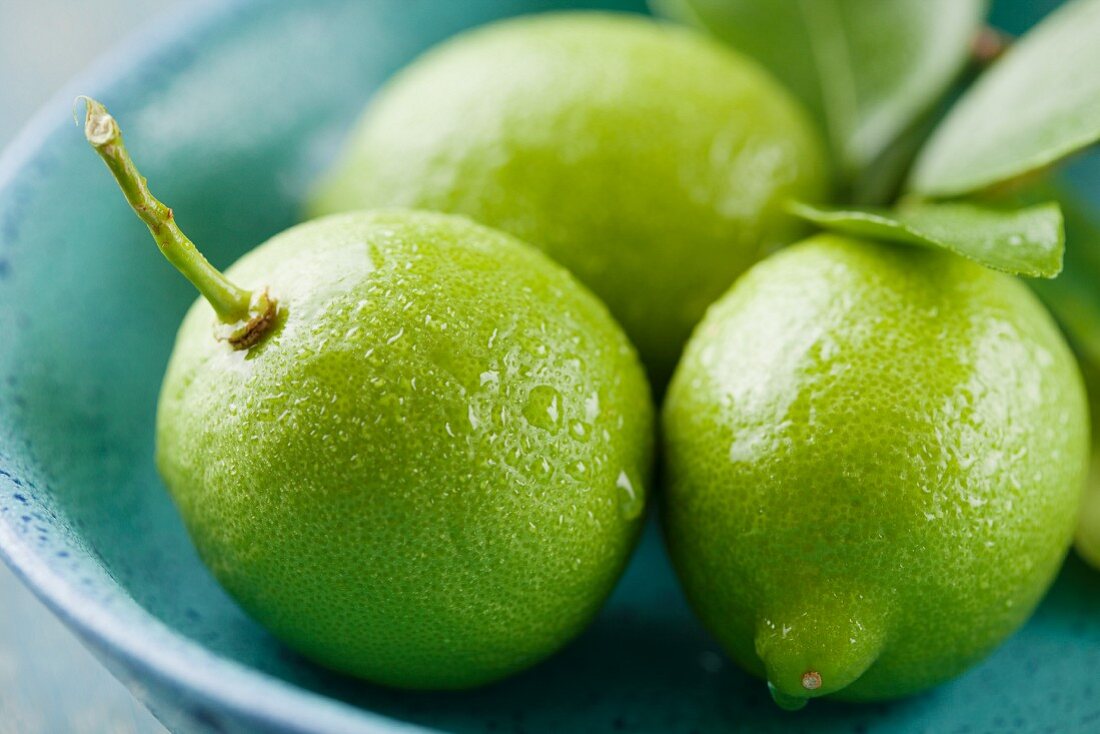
column 544, row 408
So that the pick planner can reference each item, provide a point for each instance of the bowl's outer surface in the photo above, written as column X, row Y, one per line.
column 231, row 111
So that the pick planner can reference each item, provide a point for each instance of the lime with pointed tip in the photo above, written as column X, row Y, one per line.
column 653, row 163
column 874, row 456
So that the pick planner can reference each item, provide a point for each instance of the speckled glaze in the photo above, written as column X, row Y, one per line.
column 875, row 456
column 88, row 314
column 652, row 162
column 433, row 470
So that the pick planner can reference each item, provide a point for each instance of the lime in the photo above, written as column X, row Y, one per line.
column 413, row 448
column 650, row 161
column 875, row 457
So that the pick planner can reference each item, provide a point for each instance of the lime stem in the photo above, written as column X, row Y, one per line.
column 988, row 46
column 248, row 313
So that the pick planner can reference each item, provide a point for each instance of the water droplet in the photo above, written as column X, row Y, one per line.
column 592, row 407
column 544, row 409
column 631, row 502
column 578, row 470
column 579, row 429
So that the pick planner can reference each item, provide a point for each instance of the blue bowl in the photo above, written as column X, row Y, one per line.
column 232, row 111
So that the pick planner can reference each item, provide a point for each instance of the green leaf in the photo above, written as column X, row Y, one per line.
column 1026, row 242
column 866, row 68
column 1037, row 105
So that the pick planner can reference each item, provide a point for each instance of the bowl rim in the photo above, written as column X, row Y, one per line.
column 211, row 680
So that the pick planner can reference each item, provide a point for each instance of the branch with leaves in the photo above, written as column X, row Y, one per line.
column 972, row 178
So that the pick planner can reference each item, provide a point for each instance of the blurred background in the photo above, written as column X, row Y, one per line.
column 49, row 684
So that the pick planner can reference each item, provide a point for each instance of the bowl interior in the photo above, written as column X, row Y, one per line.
column 230, row 116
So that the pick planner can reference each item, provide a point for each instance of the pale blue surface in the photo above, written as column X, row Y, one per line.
column 231, row 115
column 49, row 682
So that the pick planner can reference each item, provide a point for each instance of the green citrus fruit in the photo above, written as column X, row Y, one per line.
column 651, row 162
column 875, row 457
column 432, row 472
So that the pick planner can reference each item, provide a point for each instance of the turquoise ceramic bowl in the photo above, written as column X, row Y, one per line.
column 231, row 111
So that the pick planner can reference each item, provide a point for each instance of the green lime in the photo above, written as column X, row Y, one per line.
column 650, row 161
column 416, row 451
column 875, row 457
column 433, row 472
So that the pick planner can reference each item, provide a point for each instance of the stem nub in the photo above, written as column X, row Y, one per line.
column 814, row 643
column 246, row 315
